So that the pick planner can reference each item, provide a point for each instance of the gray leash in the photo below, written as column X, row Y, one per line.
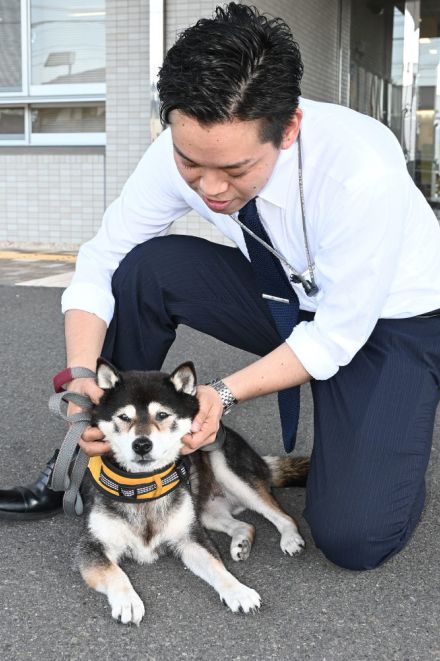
column 71, row 463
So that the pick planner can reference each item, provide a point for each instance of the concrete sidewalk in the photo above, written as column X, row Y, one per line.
column 36, row 267
column 311, row 609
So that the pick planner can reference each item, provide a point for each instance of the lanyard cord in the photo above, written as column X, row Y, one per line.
column 310, row 286
column 274, row 252
column 310, row 264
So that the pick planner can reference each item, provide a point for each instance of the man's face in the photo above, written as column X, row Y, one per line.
column 225, row 163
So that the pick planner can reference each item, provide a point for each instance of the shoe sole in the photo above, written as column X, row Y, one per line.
column 28, row 516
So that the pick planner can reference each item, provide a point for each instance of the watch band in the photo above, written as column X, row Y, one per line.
column 225, row 393
column 70, row 373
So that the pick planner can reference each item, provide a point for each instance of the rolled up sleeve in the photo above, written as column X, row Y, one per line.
column 90, row 298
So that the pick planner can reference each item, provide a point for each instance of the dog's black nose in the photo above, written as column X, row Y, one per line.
column 142, row 445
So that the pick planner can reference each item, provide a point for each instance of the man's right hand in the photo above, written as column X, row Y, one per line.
column 91, row 441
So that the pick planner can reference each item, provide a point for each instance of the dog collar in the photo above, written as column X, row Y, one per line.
column 136, row 487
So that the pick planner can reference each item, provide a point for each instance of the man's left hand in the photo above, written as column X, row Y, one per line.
column 207, row 421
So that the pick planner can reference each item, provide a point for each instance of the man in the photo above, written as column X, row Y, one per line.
column 335, row 202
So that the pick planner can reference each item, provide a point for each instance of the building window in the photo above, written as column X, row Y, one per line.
column 81, row 123
column 12, row 124
column 67, row 42
column 10, row 46
column 79, row 119
column 52, row 65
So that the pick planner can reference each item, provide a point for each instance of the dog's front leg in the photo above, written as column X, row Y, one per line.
column 200, row 561
column 107, row 577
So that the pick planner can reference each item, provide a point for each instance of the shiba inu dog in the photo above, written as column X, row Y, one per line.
column 148, row 500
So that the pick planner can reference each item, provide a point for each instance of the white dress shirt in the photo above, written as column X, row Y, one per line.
column 373, row 238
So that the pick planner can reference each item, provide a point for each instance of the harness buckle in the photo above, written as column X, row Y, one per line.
column 127, row 491
column 182, row 469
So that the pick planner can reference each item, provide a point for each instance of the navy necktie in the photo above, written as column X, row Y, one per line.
column 272, row 280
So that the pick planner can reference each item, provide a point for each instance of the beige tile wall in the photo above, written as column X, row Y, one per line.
column 48, row 197
column 128, row 90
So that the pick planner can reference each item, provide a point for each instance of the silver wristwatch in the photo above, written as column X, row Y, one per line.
column 225, row 393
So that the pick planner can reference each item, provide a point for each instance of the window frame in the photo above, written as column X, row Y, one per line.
column 68, row 94
column 16, row 143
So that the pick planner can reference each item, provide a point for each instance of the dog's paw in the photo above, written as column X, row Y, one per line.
column 241, row 542
column 127, row 607
column 240, row 549
column 292, row 543
column 240, row 598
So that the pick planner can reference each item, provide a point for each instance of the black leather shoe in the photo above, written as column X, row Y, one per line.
column 35, row 501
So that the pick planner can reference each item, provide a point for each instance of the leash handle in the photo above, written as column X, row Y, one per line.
column 67, row 477
column 70, row 373
column 56, row 404
column 72, row 502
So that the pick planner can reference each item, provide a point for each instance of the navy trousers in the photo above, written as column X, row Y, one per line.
column 373, row 420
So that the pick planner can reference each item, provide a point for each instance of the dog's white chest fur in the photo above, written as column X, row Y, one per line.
column 144, row 532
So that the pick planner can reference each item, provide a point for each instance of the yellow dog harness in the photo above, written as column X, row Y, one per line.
column 135, row 487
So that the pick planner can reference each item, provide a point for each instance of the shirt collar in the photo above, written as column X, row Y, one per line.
column 278, row 188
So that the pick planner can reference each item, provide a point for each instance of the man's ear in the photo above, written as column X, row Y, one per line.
column 107, row 376
column 184, row 378
column 292, row 129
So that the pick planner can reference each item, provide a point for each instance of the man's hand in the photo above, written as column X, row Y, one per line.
column 207, row 421
column 91, row 441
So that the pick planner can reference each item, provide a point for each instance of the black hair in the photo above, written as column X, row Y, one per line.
column 240, row 64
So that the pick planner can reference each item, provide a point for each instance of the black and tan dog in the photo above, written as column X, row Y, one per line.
column 144, row 503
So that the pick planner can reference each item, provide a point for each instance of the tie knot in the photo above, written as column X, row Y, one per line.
column 249, row 207
column 248, row 215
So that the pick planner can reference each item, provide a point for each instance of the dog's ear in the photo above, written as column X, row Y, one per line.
column 184, row 378
column 107, row 376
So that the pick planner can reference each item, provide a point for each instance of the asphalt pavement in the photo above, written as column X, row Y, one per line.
column 312, row 610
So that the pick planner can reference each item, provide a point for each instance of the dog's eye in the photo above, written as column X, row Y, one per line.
column 161, row 415
column 124, row 417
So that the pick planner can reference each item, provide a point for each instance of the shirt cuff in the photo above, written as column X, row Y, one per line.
column 314, row 357
column 90, row 298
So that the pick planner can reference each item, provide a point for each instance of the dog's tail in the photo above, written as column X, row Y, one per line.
column 288, row 471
